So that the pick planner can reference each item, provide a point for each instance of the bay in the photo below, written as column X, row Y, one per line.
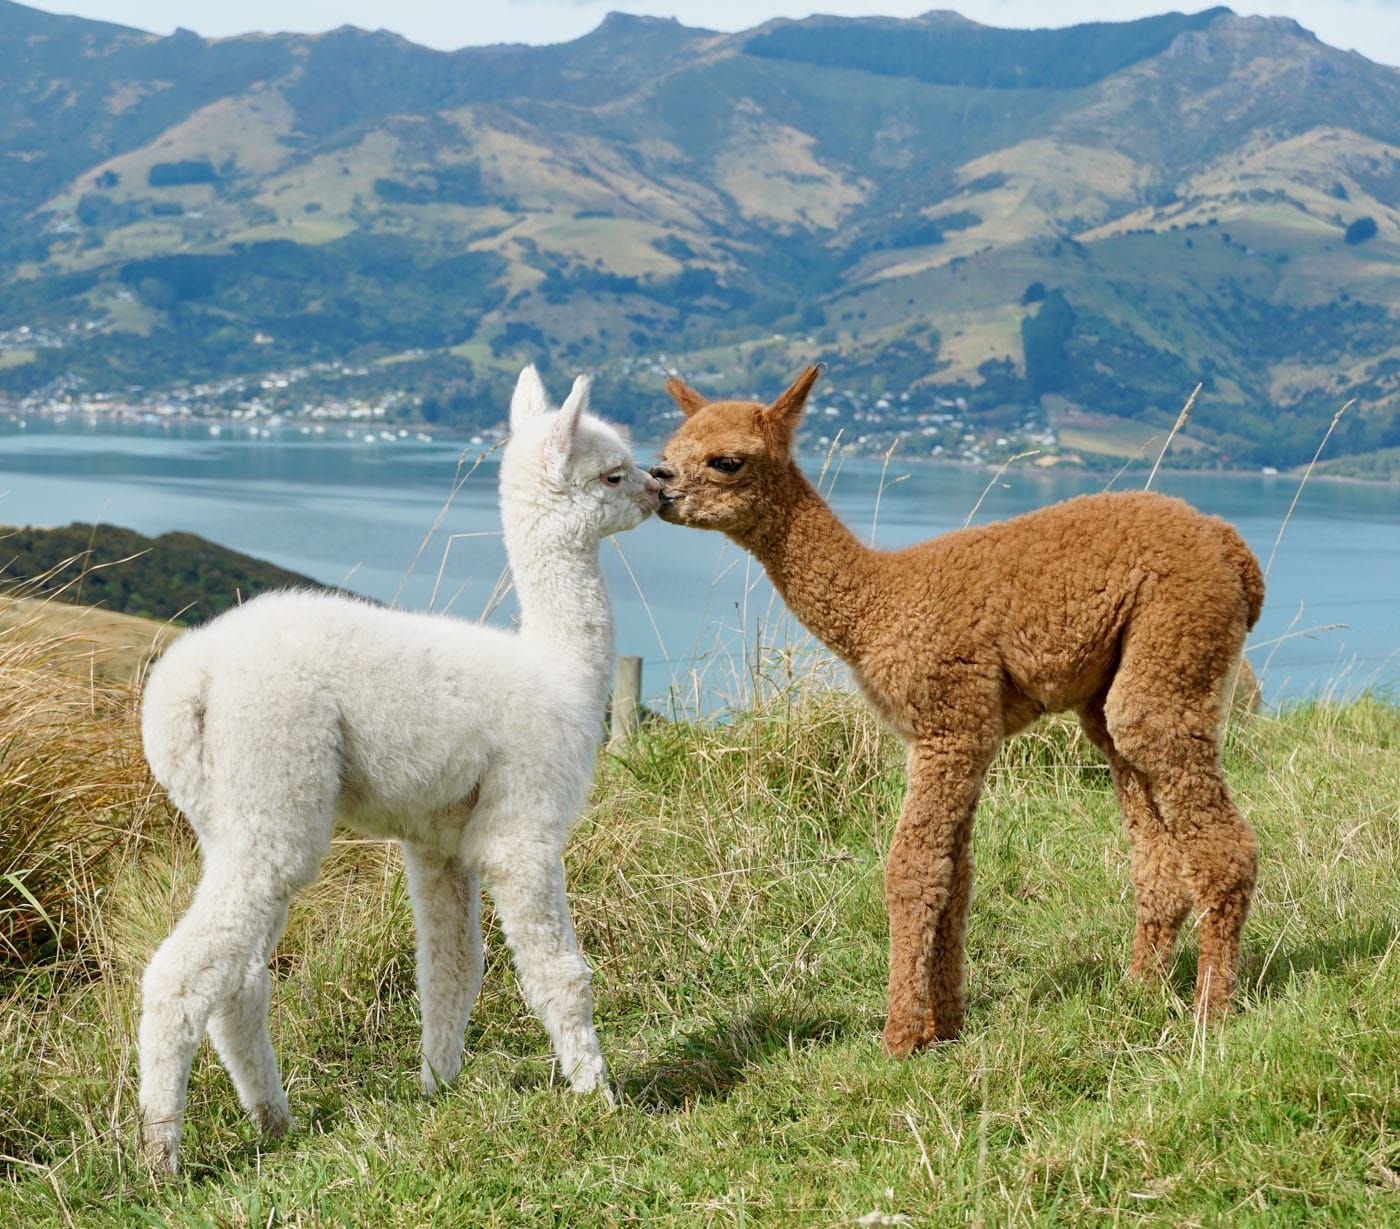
column 350, row 506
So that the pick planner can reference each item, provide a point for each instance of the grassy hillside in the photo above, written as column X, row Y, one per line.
column 1215, row 198
column 727, row 887
column 176, row 576
column 84, row 640
column 950, row 50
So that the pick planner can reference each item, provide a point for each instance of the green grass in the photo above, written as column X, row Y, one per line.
column 727, row 887
column 1382, row 465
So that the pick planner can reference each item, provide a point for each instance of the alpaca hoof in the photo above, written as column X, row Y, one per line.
column 1214, row 993
column 899, row 1041
column 591, row 1076
column 437, row 1076
column 1210, row 1011
column 274, row 1120
column 603, row 1090
column 161, row 1147
column 1212, row 1005
column 1149, row 969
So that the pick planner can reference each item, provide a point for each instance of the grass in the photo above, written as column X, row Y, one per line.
column 83, row 640
column 1110, row 437
column 727, row 887
column 1382, row 465
column 73, row 784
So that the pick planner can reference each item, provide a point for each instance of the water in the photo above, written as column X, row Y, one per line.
column 351, row 512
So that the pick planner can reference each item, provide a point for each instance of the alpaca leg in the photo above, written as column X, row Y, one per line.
column 447, row 915
column 1163, row 898
column 1219, row 856
column 238, row 1029
column 203, row 966
column 947, row 967
column 1175, row 748
column 527, row 886
column 927, row 885
column 207, row 967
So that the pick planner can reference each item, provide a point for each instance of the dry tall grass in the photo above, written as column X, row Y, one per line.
column 74, row 788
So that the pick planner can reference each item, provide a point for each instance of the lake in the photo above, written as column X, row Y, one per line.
column 349, row 507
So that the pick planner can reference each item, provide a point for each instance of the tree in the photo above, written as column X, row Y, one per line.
column 176, row 174
column 1043, row 338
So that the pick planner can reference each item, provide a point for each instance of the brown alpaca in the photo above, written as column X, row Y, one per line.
column 1130, row 609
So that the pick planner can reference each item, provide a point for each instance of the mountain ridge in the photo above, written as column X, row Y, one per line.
column 651, row 189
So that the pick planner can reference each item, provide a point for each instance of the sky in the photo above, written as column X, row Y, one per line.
column 1369, row 26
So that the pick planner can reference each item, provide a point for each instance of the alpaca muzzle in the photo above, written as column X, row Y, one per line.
column 666, row 496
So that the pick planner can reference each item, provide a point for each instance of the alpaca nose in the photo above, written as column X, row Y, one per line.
column 663, row 472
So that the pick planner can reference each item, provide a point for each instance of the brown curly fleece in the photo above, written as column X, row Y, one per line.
column 1130, row 609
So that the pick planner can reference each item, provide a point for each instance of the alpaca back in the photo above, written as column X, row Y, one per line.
column 300, row 701
column 381, row 710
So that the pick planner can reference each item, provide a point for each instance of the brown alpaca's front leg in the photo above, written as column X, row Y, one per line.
column 947, row 973
column 927, row 887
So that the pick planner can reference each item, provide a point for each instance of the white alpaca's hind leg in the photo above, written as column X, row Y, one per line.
column 527, row 885
column 447, row 916
column 239, row 1031
column 195, row 971
column 205, row 967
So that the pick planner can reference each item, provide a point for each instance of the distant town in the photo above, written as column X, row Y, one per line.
column 318, row 396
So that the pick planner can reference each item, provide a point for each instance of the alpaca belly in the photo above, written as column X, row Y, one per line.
column 1054, row 692
column 435, row 819
column 1064, row 670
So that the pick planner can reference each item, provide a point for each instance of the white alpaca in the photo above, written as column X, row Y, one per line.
column 472, row 746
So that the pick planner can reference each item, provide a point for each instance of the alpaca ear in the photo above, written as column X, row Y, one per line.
column 564, row 429
column 529, row 399
column 783, row 415
column 686, row 397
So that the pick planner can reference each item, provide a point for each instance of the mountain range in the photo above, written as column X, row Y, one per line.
column 990, row 236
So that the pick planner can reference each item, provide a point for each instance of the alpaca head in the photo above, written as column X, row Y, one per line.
column 566, row 473
column 727, row 464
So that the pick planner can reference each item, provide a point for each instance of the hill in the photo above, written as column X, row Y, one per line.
column 83, row 640
column 990, row 235
column 177, row 577
column 726, row 886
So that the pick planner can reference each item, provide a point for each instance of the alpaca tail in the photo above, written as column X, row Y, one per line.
column 172, row 727
column 1251, row 577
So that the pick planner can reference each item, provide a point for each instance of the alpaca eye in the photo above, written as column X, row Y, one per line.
column 613, row 479
column 726, row 465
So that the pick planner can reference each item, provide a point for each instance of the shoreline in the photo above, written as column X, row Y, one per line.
column 490, row 438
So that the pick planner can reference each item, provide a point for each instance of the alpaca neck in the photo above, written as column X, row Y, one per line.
column 825, row 575
column 563, row 601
